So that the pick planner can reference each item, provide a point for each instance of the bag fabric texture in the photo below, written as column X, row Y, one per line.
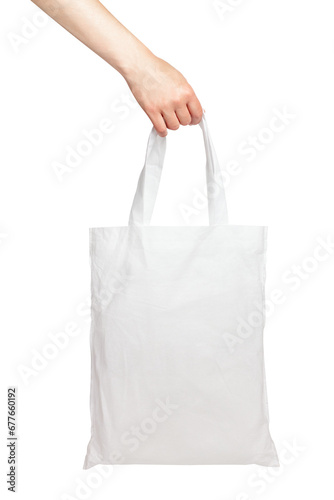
column 176, row 340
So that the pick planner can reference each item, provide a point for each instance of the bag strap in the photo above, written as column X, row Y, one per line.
column 149, row 180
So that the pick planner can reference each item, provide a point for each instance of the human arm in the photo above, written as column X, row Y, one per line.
column 160, row 89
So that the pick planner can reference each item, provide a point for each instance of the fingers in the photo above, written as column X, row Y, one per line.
column 165, row 95
column 183, row 115
column 186, row 110
column 171, row 120
column 195, row 110
column 159, row 124
column 189, row 114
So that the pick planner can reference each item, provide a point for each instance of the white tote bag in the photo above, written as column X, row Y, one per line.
column 177, row 317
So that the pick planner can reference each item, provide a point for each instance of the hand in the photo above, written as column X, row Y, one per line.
column 160, row 89
column 164, row 94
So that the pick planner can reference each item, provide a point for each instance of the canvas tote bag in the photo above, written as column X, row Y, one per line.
column 177, row 317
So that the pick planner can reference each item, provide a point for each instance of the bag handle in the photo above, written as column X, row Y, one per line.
column 149, row 180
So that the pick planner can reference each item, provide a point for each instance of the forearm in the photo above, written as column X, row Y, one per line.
column 91, row 23
column 160, row 89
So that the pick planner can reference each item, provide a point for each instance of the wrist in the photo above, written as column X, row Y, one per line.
column 138, row 64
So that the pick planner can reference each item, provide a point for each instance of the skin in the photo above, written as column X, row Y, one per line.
column 160, row 89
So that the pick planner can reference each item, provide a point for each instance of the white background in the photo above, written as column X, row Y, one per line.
column 258, row 56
